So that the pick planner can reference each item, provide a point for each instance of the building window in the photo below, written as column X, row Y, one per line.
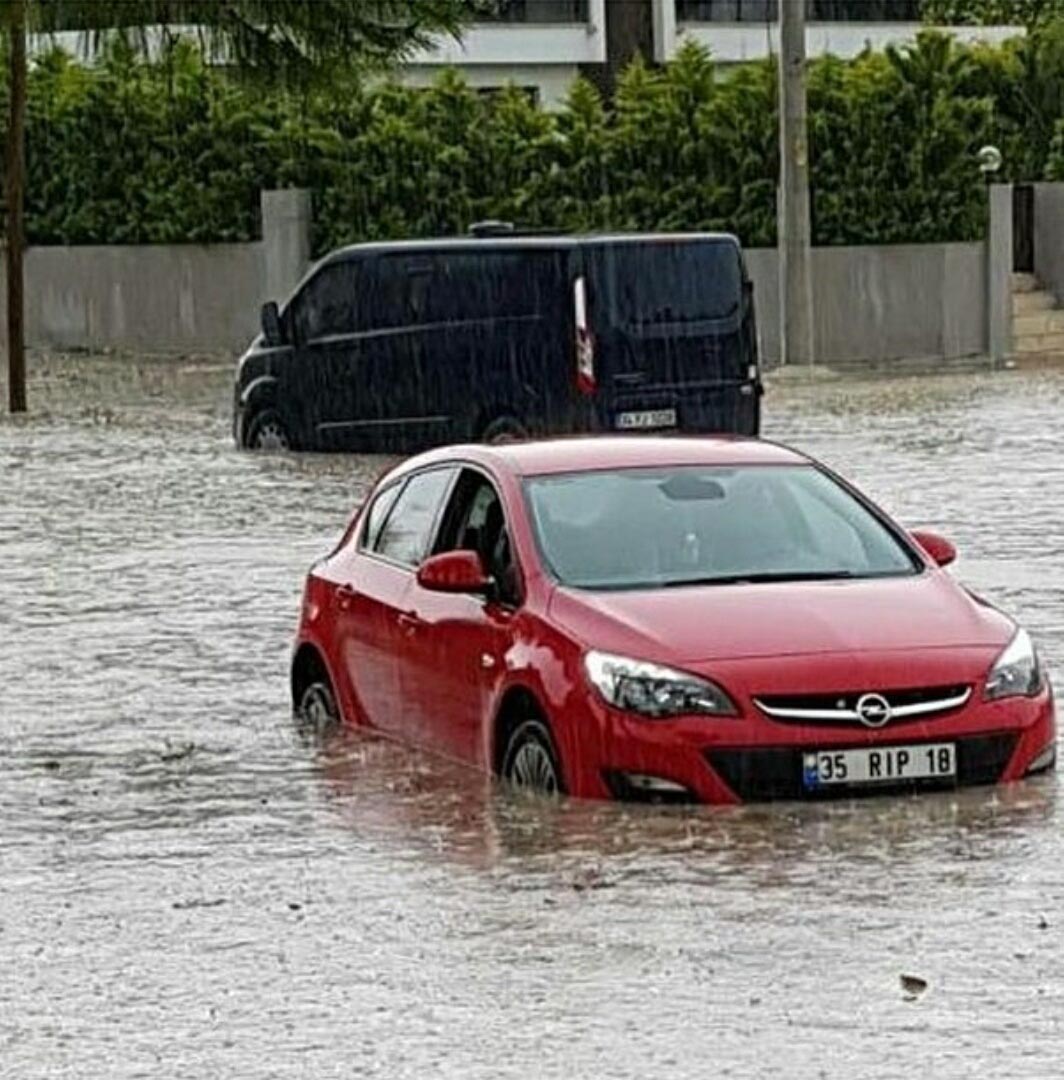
column 761, row 11
column 530, row 92
column 535, row 11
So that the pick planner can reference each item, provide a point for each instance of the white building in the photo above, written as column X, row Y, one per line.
column 538, row 44
column 543, row 44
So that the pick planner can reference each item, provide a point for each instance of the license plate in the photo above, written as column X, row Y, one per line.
column 879, row 765
column 648, row 418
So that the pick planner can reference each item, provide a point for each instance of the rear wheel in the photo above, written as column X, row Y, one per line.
column 504, row 429
column 530, row 762
column 316, row 711
column 268, row 432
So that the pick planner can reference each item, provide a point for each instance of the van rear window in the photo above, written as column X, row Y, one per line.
column 663, row 282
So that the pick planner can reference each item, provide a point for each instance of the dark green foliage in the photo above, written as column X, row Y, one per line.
column 176, row 151
column 298, row 40
column 991, row 12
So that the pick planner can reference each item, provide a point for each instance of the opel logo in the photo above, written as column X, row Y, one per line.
column 873, row 710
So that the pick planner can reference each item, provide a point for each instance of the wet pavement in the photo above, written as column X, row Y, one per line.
column 188, row 889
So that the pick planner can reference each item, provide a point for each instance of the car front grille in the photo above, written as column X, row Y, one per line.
column 842, row 707
column 776, row 773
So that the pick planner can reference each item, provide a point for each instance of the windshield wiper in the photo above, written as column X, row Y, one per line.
column 762, row 578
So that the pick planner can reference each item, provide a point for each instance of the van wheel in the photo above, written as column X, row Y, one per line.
column 530, row 763
column 504, row 429
column 267, row 432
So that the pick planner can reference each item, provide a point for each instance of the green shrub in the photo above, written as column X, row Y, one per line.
column 131, row 152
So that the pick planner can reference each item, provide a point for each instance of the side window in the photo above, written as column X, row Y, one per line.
column 473, row 286
column 327, row 305
column 378, row 514
column 393, row 291
column 407, row 533
column 475, row 521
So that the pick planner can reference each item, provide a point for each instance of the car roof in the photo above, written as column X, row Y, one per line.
column 505, row 242
column 590, row 453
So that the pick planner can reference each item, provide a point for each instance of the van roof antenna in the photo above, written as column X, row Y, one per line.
column 482, row 229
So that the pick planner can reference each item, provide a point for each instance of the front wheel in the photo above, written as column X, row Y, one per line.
column 530, row 763
column 266, row 431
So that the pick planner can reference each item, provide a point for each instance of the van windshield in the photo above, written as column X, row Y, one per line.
column 665, row 281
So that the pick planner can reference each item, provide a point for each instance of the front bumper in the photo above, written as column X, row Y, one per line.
column 753, row 758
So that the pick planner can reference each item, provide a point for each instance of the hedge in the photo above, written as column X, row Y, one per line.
column 132, row 152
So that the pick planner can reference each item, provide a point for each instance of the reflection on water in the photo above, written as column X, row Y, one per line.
column 189, row 888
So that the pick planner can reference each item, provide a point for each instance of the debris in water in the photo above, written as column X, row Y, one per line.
column 185, row 905
column 590, row 879
column 177, row 753
column 913, row 986
column 1043, row 923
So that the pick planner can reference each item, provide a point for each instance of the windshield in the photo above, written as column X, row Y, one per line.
column 658, row 528
column 666, row 281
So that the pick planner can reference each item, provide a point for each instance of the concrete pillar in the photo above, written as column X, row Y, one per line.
column 999, row 274
column 286, row 217
column 1049, row 237
column 664, row 30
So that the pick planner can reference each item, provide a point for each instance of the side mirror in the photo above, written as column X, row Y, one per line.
column 938, row 547
column 455, row 572
column 271, row 324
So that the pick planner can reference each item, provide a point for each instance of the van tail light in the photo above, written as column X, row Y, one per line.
column 585, row 343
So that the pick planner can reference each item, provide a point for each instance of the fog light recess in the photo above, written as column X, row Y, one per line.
column 1044, row 761
column 643, row 787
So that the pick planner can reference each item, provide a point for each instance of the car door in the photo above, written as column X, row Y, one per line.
column 372, row 587
column 454, row 653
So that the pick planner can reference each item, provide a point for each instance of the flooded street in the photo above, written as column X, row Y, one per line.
column 188, row 889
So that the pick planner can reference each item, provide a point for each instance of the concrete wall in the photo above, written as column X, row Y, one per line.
column 1049, row 237
column 878, row 304
column 150, row 298
column 165, row 298
column 871, row 304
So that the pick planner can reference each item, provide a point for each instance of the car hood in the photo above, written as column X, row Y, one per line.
column 730, row 622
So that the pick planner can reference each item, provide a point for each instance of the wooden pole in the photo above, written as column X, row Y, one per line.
column 795, row 241
column 15, row 182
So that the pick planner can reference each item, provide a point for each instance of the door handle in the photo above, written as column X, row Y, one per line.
column 408, row 622
column 345, row 595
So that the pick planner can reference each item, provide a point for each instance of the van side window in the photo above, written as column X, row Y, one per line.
column 408, row 530
column 469, row 286
column 327, row 305
column 392, row 291
column 378, row 514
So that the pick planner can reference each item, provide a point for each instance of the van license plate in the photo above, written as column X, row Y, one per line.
column 879, row 765
column 650, row 418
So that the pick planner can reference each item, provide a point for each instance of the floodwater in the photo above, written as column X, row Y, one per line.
column 187, row 889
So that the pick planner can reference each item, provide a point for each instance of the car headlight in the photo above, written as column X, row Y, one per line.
column 652, row 690
column 1016, row 672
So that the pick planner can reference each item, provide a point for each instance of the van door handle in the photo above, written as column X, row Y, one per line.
column 630, row 378
column 408, row 622
column 345, row 596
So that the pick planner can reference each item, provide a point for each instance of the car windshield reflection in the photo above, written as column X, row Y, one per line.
column 688, row 526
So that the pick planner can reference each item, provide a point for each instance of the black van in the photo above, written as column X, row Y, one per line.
column 401, row 346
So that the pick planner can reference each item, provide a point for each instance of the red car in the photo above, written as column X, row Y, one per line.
column 710, row 620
